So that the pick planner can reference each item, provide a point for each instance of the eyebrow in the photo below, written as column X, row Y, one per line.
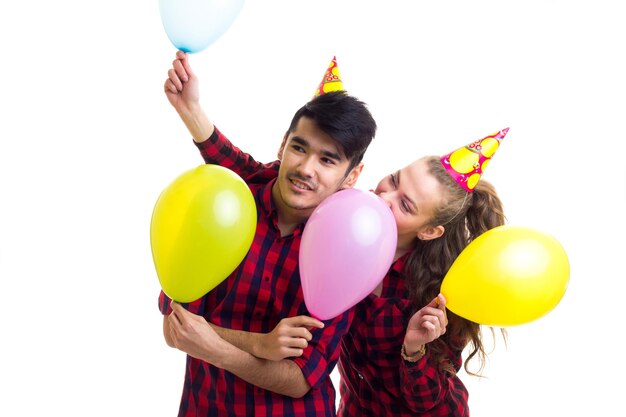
column 326, row 153
column 404, row 194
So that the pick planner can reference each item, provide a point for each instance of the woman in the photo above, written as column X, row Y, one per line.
column 396, row 361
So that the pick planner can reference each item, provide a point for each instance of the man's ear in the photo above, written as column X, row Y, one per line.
column 351, row 178
column 282, row 148
column 431, row 232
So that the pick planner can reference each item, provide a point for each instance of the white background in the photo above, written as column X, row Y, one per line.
column 88, row 141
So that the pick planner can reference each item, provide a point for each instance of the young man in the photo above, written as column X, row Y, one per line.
column 320, row 154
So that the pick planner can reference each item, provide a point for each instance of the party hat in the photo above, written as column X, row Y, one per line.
column 331, row 80
column 468, row 163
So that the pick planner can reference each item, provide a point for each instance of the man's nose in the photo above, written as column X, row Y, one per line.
column 307, row 167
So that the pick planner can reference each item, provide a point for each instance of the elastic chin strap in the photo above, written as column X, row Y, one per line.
column 460, row 209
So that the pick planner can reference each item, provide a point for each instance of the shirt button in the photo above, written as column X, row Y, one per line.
column 258, row 314
column 267, row 279
column 361, row 376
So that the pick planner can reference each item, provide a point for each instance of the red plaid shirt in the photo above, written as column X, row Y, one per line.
column 264, row 289
column 375, row 380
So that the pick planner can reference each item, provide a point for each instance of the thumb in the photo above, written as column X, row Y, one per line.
column 177, row 307
column 440, row 302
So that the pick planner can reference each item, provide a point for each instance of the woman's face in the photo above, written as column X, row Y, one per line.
column 412, row 193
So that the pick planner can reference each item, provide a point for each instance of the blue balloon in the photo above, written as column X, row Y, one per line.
column 192, row 25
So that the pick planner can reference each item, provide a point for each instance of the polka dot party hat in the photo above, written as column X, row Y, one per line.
column 331, row 80
column 467, row 164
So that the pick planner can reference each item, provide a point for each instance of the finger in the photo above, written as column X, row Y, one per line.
column 306, row 321
column 434, row 302
column 174, row 320
column 301, row 332
column 175, row 79
column 296, row 342
column 187, row 65
column 175, row 306
column 291, row 352
column 441, row 301
column 179, row 312
column 429, row 326
column 430, row 311
column 180, row 70
column 434, row 325
column 170, row 87
column 442, row 306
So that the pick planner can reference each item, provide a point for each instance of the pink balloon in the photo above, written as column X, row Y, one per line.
column 347, row 248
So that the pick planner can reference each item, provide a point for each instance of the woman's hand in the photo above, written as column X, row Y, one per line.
column 426, row 325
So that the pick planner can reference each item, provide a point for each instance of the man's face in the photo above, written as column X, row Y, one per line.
column 312, row 168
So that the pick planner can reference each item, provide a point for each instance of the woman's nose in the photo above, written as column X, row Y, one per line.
column 386, row 198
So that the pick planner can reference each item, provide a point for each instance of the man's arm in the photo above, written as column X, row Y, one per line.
column 193, row 335
column 182, row 90
column 288, row 339
column 166, row 332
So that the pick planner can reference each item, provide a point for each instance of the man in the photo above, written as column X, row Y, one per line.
column 222, row 333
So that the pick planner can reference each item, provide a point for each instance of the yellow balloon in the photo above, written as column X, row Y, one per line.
column 202, row 227
column 507, row 276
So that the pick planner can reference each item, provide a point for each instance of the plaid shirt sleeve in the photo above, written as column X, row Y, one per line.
column 218, row 150
column 196, row 307
column 322, row 352
column 427, row 388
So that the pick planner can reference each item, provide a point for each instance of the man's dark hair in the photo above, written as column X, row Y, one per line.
column 344, row 118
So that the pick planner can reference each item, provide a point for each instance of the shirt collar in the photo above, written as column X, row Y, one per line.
column 268, row 207
column 398, row 265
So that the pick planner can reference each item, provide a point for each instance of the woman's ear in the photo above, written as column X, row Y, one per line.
column 431, row 232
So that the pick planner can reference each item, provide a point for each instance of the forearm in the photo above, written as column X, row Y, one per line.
column 166, row 333
column 246, row 341
column 197, row 122
column 282, row 377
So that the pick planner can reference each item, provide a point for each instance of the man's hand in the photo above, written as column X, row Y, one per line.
column 182, row 85
column 193, row 335
column 288, row 339
column 182, row 91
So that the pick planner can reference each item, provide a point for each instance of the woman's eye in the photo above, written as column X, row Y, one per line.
column 393, row 180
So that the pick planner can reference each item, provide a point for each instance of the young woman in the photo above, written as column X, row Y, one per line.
column 403, row 351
